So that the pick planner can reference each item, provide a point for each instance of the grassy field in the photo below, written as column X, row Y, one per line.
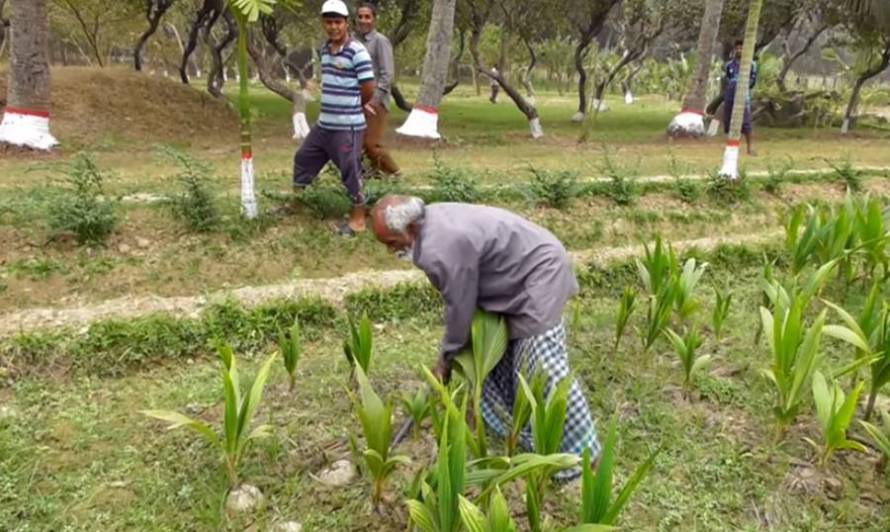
column 75, row 454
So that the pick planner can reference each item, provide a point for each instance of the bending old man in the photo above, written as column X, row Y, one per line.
column 489, row 258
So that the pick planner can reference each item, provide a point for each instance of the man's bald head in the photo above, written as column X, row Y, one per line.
column 395, row 218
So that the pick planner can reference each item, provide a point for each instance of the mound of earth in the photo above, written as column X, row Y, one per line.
column 91, row 105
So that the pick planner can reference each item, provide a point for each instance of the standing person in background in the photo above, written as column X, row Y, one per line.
column 347, row 86
column 384, row 69
column 732, row 78
column 495, row 87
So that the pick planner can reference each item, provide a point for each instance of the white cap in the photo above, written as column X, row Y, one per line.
column 335, row 7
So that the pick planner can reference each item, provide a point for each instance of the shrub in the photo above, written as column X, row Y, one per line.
column 728, row 191
column 453, row 184
column 80, row 209
column 195, row 204
column 622, row 187
column 554, row 188
column 325, row 201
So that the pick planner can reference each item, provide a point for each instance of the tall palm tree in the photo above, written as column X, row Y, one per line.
column 246, row 13
column 690, row 122
column 26, row 117
column 730, row 168
column 424, row 118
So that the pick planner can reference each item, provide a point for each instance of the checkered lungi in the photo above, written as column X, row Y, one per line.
column 548, row 352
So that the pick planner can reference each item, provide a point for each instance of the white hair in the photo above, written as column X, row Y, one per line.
column 400, row 215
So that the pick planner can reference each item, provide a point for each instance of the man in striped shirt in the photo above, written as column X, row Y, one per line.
column 347, row 86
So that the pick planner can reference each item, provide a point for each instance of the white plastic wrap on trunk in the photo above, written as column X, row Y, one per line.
column 730, row 168
column 248, row 198
column 713, row 127
column 27, row 130
column 578, row 117
column 600, row 105
column 629, row 98
column 537, row 130
column 687, row 124
column 301, row 126
column 420, row 123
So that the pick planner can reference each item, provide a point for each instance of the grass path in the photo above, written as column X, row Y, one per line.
column 331, row 289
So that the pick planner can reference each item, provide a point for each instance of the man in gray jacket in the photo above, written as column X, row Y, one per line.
column 489, row 258
column 384, row 69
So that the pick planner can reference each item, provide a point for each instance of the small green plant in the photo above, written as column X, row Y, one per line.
column 658, row 315
column 657, row 267
column 597, row 505
column 418, row 408
column 195, row 204
column 496, row 520
column 685, row 302
column 376, row 419
column 795, row 354
column 625, row 310
column 325, row 200
column 81, row 209
column 687, row 190
column 622, row 188
column 489, row 342
column 554, row 188
column 438, row 510
column 548, row 417
column 777, row 174
column 290, row 347
column 238, row 413
column 453, row 184
column 871, row 231
column 835, row 412
column 880, row 435
column 686, row 346
column 847, row 173
column 728, row 191
column 722, row 303
column 359, row 344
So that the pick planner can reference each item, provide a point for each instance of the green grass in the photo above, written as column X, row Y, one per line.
column 73, row 452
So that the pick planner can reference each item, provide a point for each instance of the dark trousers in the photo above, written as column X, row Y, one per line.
column 343, row 148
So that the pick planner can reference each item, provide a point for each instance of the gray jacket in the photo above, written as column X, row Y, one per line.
column 384, row 66
column 489, row 258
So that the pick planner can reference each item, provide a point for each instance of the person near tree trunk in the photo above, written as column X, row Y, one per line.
column 380, row 49
column 495, row 87
column 732, row 77
column 347, row 87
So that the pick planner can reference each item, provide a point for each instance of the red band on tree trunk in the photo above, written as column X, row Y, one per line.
column 29, row 112
column 693, row 111
column 733, row 143
column 246, row 154
column 426, row 109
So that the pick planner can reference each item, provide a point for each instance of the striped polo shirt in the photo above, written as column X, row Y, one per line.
column 341, row 76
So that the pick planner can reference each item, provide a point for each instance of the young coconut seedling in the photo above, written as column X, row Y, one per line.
column 496, row 520
column 658, row 315
column 686, row 346
column 657, row 267
column 239, row 412
column 418, row 408
column 289, row 344
column 722, row 302
column 685, row 302
column 597, row 506
column 625, row 310
column 376, row 419
column 358, row 345
column 835, row 412
column 489, row 339
column 880, row 436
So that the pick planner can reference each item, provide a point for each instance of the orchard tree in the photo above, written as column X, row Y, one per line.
column 869, row 25
column 26, row 116
column 587, row 19
column 154, row 12
column 424, row 117
column 730, row 169
column 690, row 121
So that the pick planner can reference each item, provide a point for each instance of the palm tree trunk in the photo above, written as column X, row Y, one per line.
column 690, row 121
column 26, row 117
column 424, row 118
column 248, row 198
column 730, row 168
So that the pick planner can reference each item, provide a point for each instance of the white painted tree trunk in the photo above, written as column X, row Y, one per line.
column 248, row 197
column 536, row 129
column 687, row 124
column 599, row 105
column 578, row 117
column 730, row 169
column 629, row 98
column 423, row 122
column 713, row 127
